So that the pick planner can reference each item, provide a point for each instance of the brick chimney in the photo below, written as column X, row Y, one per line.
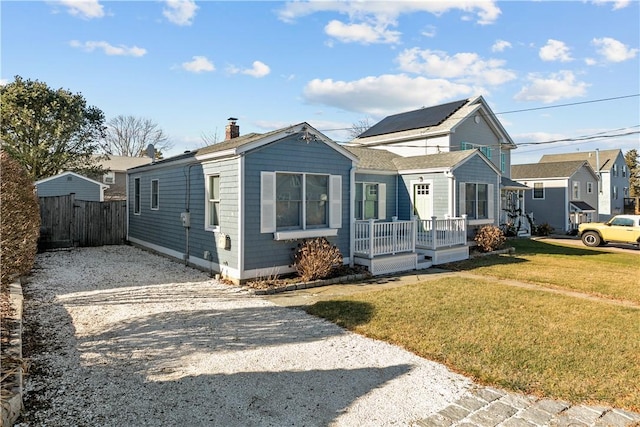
column 232, row 130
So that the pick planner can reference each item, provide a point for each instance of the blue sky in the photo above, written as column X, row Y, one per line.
column 189, row 66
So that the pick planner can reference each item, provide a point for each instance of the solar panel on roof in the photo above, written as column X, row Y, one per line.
column 424, row 117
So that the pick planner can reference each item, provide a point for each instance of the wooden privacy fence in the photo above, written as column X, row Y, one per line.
column 67, row 222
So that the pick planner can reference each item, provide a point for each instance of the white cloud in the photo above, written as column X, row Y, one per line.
column 108, row 49
column 180, row 12
column 555, row 50
column 613, row 50
column 557, row 86
column 617, row 4
column 258, row 69
column 382, row 95
column 199, row 64
column 86, row 9
column 590, row 61
column 4, row 82
column 487, row 12
column 361, row 33
column 500, row 46
column 464, row 66
column 429, row 31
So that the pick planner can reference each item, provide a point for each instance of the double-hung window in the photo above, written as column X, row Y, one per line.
column 296, row 205
column 538, row 190
column 576, row 190
column 370, row 201
column 155, row 194
column 589, row 187
column 136, row 196
column 477, row 200
column 213, row 202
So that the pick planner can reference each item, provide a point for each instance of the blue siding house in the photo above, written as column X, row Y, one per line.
column 70, row 182
column 240, row 207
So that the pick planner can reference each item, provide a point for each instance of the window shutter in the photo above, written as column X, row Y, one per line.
column 267, row 202
column 382, row 201
column 335, row 201
column 490, row 208
column 462, row 198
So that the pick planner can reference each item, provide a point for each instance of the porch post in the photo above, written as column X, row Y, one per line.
column 434, row 236
column 464, row 228
column 371, row 239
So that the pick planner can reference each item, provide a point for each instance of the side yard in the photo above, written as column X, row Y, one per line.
column 580, row 342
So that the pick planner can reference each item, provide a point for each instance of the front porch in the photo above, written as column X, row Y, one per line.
column 391, row 247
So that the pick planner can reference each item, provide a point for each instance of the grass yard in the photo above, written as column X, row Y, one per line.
column 525, row 340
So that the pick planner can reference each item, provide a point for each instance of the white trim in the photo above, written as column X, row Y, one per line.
column 139, row 196
column 412, row 190
column 241, row 184
column 42, row 181
column 207, row 208
column 305, row 234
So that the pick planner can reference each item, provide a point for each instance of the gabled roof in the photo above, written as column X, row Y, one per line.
column 370, row 158
column 435, row 161
column 547, row 170
column 430, row 122
column 122, row 163
column 417, row 119
column 606, row 158
column 60, row 175
column 245, row 143
column 383, row 160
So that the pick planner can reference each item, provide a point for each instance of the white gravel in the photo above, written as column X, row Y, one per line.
column 128, row 338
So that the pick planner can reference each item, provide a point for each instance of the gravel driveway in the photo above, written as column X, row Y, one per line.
column 121, row 337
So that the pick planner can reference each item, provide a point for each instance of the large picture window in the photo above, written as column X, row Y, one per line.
column 213, row 201
column 136, row 196
column 300, row 201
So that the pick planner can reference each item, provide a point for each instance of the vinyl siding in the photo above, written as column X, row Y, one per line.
column 475, row 170
column 439, row 189
column 480, row 134
column 553, row 208
column 288, row 155
column 67, row 184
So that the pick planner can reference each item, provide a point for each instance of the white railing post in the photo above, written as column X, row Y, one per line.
column 371, row 238
column 434, row 231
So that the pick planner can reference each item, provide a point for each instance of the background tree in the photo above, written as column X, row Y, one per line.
column 209, row 138
column 49, row 131
column 359, row 127
column 130, row 136
column 631, row 158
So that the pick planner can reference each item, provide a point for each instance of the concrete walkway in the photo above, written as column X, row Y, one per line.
column 481, row 406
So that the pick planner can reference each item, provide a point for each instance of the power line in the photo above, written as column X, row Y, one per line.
column 524, row 110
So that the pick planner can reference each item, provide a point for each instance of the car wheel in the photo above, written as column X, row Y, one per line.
column 591, row 238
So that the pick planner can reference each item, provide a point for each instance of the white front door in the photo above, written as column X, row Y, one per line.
column 423, row 200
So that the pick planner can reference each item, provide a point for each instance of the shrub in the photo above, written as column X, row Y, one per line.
column 19, row 219
column 315, row 259
column 489, row 238
column 543, row 230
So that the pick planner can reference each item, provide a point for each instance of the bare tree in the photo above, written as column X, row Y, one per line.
column 210, row 138
column 130, row 136
column 359, row 127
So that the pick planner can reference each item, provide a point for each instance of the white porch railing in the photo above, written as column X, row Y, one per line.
column 438, row 233
column 389, row 238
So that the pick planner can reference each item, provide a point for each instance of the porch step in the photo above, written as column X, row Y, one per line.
column 389, row 264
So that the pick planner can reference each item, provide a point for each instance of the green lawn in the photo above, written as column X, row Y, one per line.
column 524, row 340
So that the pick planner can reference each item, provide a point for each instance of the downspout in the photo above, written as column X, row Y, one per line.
column 127, row 202
column 186, row 207
column 352, row 216
column 397, row 182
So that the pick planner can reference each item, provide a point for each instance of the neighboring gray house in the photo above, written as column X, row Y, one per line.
column 116, row 175
column 613, row 172
column 70, row 182
column 565, row 194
